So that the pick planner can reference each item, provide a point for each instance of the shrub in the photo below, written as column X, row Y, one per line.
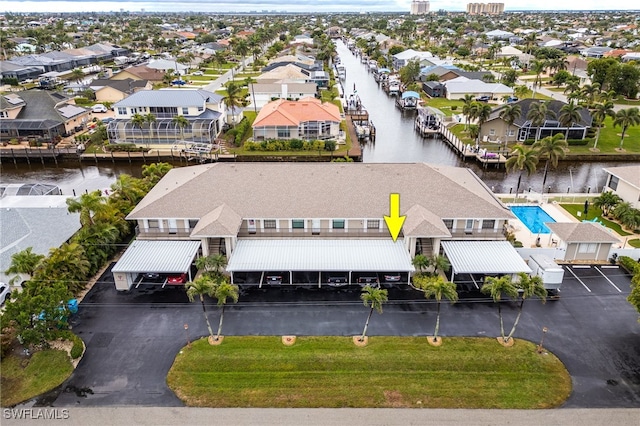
column 83, row 101
column 330, row 146
column 579, row 142
column 454, row 107
column 296, row 144
column 78, row 344
column 125, row 147
column 632, row 266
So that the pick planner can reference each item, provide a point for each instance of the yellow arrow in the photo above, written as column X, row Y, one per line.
column 394, row 220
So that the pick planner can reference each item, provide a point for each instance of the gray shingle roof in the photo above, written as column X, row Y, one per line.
column 169, row 98
column 630, row 174
column 525, row 106
column 581, row 232
column 331, row 190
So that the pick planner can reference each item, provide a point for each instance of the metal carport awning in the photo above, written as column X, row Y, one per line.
column 484, row 257
column 163, row 257
column 320, row 255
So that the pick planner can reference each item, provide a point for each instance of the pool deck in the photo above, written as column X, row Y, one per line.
column 558, row 214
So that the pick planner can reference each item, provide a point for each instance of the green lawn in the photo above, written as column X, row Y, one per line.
column 392, row 372
column 445, row 105
column 622, row 101
column 43, row 372
column 207, row 77
column 610, row 140
column 573, row 209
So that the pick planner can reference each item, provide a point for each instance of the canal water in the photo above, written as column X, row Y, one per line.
column 396, row 142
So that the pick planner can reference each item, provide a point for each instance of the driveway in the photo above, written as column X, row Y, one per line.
column 132, row 338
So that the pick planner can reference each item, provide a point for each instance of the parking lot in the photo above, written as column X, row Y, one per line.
column 132, row 337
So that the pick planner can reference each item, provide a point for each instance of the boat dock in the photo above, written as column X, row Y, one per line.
column 467, row 152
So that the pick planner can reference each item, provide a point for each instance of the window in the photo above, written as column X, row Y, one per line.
column 468, row 224
column 154, row 224
column 122, row 111
column 192, row 223
column 200, row 108
column 448, row 223
column 488, row 224
column 338, row 223
column 492, row 132
column 613, row 182
column 4, row 114
column 587, row 247
column 373, row 224
column 185, row 111
column 269, row 224
column 283, row 133
column 297, row 223
column 512, row 132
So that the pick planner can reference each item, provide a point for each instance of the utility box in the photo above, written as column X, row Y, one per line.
column 550, row 272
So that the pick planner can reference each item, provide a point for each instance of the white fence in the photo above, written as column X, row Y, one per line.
column 554, row 253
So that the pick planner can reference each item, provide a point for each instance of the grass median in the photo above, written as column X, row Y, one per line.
column 393, row 372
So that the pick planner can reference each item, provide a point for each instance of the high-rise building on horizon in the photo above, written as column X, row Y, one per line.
column 419, row 7
column 485, row 8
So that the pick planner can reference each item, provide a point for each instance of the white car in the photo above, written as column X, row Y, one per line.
column 5, row 292
column 198, row 73
column 99, row 108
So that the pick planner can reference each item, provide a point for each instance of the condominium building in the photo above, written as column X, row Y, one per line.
column 419, row 7
column 485, row 8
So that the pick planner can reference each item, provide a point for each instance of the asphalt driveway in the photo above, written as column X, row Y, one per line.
column 132, row 338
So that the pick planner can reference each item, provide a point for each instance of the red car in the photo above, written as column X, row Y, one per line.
column 177, row 279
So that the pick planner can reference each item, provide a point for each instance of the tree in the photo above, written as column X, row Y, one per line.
column 224, row 290
column 569, row 114
column 527, row 287
column 553, row 148
column 410, row 72
column 24, row 262
column 599, row 112
column 626, row 118
column 509, row 77
column 482, row 114
column 233, row 98
column 88, row 205
column 98, row 241
column 67, row 263
column 374, row 297
column 522, row 158
column 538, row 114
column 467, row 108
column 439, row 263
column 496, row 288
column 437, row 288
column 538, row 68
column 153, row 172
column 180, row 122
column 77, row 75
column 421, row 262
column 200, row 287
column 212, row 263
column 138, row 121
column 510, row 113
column 607, row 201
column 150, row 119
column 129, row 189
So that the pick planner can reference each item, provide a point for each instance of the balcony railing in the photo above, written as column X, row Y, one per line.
column 161, row 234
column 316, row 232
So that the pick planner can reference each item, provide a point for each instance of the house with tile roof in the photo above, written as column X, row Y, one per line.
column 203, row 110
column 308, row 222
column 495, row 128
column 262, row 94
column 307, row 118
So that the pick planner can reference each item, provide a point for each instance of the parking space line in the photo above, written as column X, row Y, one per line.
column 579, row 280
column 607, row 278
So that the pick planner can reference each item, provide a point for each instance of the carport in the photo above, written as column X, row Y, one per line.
column 483, row 257
column 316, row 255
column 163, row 257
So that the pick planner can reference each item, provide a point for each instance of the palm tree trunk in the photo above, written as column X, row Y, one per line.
column 435, row 332
column 595, row 144
column 501, row 322
column 220, row 324
column 366, row 325
column 544, row 177
column 515, row 324
column 206, row 318
column 624, row 129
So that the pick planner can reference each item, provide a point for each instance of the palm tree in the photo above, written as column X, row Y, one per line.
column 527, row 287
column 98, row 242
column 421, row 262
column 180, row 122
column 538, row 114
column 233, row 98
column 572, row 86
column 89, row 205
column 510, row 113
column 522, row 158
column 67, row 263
column 374, row 297
column 496, row 288
column 24, row 262
column 153, row 172
column 590, row 92
column 77, row 74
column 128, row 188
column 440, row 263
column 212, row 263
column 552, row 147
column 150, row 119
column 569, row 114
column 607, row 201
column 482, row 115
column 437, row 288
column 467, row 108
column 138, row 121
column 599, row 112
column 626, row 118
column 538, row 67
column 224, row 290
column 200, row 287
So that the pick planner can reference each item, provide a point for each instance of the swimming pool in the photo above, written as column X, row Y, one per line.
column 533, row 218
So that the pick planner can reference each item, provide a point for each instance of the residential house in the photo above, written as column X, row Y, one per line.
column 496, row 129
column 19, row 72
column 624, row 181
column 303, row 39
column 117, row 90
column 204, row 111
column 166, row 65
column 583, row 241
column 449, row 72
column 262, row 94
column 315, row 222
column 461, row 86
column 140, row 72
column 307, row 118
column 433, row 89
column 499, row 35
column 595, row 51
column 43, row 116
column 403, row 58
column 289, row 72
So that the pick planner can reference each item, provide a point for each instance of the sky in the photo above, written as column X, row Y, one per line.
column 308, row 6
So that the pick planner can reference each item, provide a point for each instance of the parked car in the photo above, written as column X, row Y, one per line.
column 484, row 98
column 99, row 108
column 273, row 279
column 198, row 73
column 337, row 280
column 107, row 120
column 178, row 82
column 391, row 278
column 177, row 279
column 151, row 277
column 371, row 281
column 512, row 99
column 5, row 293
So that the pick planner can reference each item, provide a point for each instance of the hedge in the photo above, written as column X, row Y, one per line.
column 125, row 147
column 631, row 265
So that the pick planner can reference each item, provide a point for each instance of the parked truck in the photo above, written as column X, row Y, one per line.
column 550, row 272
